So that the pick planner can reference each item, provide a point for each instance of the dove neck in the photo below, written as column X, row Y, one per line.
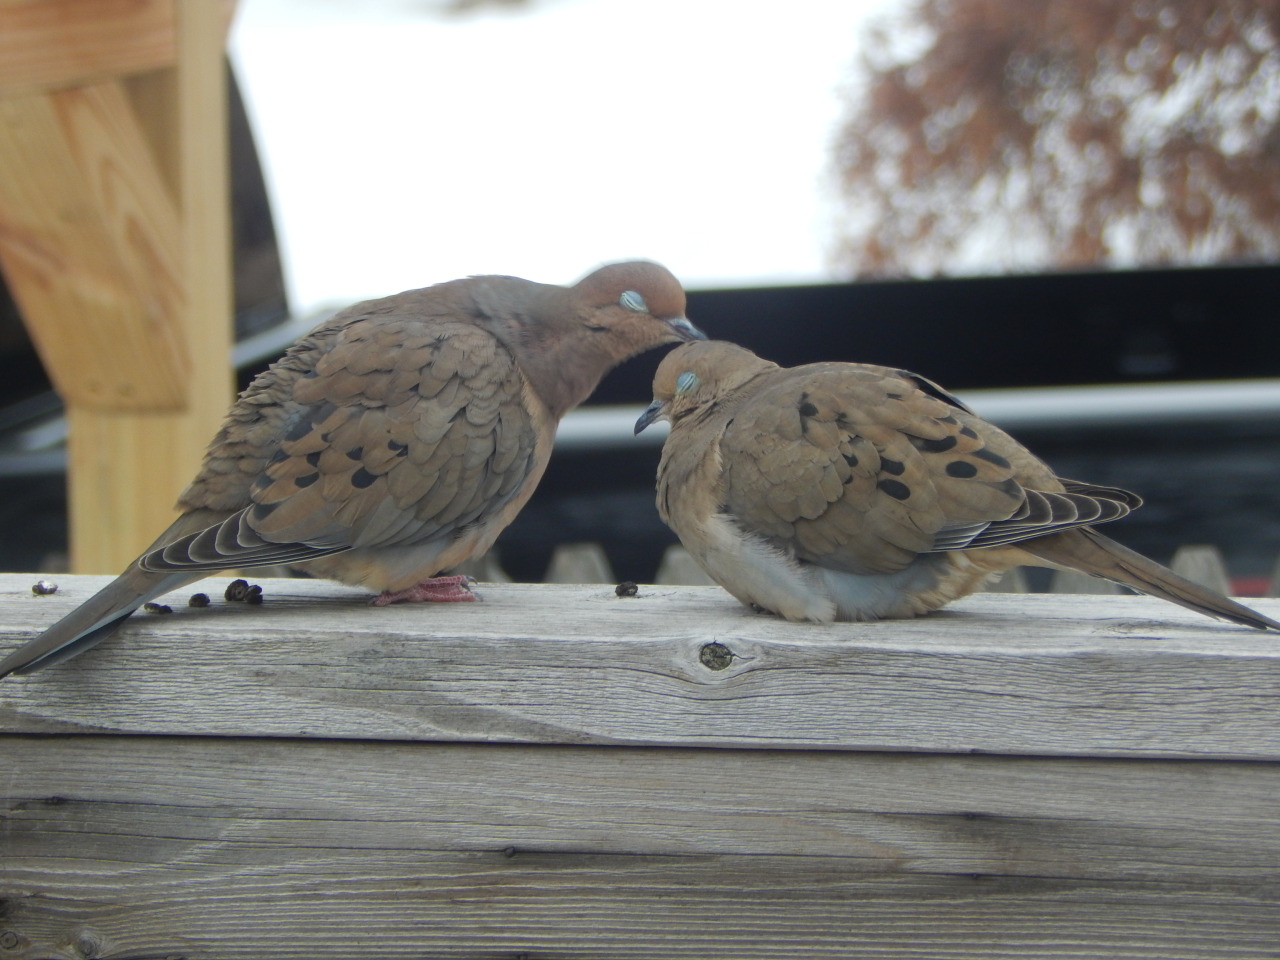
column 538, row 323
column 562, row 371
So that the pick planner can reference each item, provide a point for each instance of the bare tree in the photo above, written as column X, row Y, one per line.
column 1007, row 135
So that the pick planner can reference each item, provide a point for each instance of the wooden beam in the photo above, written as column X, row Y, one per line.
column 115, row 243
column 46, row 44
column 1033, row 674
column 90, row 246
column 213, row 848
column 126, row 469
column 557, row 771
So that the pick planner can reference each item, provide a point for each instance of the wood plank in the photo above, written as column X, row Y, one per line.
column 46, row 44
column 87, row 243
column 127, row 469
column 122, row 484
column 93, row 249
column 997, row 673
column 126, row 288
column 208, row 847
column 567, row 906
column 1065, row 818
column 139, row 211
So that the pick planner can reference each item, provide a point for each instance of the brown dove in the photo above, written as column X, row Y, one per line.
column 846, row 491
column 394, row 441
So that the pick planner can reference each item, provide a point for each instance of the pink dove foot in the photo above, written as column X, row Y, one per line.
column 431, row 590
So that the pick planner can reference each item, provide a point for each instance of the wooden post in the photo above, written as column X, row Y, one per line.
column 115, row 243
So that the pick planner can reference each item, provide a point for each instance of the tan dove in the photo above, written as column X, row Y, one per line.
column 846, row 491
column 394, row 441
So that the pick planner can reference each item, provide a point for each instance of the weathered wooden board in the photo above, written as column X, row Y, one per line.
column 129, row 847
column 149, row 800
column 997, row 673
column 562, row 906
column 529, row 777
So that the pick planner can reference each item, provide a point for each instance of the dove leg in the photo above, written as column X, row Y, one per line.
column 432, row 590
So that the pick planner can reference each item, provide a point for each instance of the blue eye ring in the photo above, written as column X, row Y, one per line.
column 633, row 301
column 686, row 381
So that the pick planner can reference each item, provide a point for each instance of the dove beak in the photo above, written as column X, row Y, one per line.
column 684, row 329
column 652, row 412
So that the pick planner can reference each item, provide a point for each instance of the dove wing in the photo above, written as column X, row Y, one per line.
column 861, row 468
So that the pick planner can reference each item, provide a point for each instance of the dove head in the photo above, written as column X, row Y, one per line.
column 568, row 338
column 632, row 307
column 697, row 376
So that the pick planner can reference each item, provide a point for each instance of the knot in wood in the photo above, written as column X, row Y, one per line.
column 715, row 656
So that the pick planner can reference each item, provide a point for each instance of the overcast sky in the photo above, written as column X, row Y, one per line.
column 402, row 147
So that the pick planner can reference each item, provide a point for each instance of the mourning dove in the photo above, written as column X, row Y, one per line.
column 846, row 491
column 394, row 441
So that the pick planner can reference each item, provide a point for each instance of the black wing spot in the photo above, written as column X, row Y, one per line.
column 961, row 469
column 895, row 467
column 934, row 446
column 307, row 480
column 355, row 453
column 806, row 408
column 313, row 459
column 851, row 459
column 968, row 432
column 991, row 457
column 895, row 488
column 362, row 478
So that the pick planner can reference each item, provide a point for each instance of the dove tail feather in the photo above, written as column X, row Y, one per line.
column 93, row 621
column 1088, row 551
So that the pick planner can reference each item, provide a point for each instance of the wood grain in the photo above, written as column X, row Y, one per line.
column 115, row 242
column 563, row 906
column 127, row 467
column 998, row 673
column 47, row 44
column 209, row 847
column 88, row 235
column 557, row 772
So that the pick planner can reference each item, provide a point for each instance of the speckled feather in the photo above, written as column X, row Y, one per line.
column 853, row 491
column 394, row 441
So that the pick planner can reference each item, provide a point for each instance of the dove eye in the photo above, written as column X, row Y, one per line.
column 633, row 301
column 686, row 381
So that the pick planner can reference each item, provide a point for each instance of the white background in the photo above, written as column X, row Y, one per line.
column 403, row 146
